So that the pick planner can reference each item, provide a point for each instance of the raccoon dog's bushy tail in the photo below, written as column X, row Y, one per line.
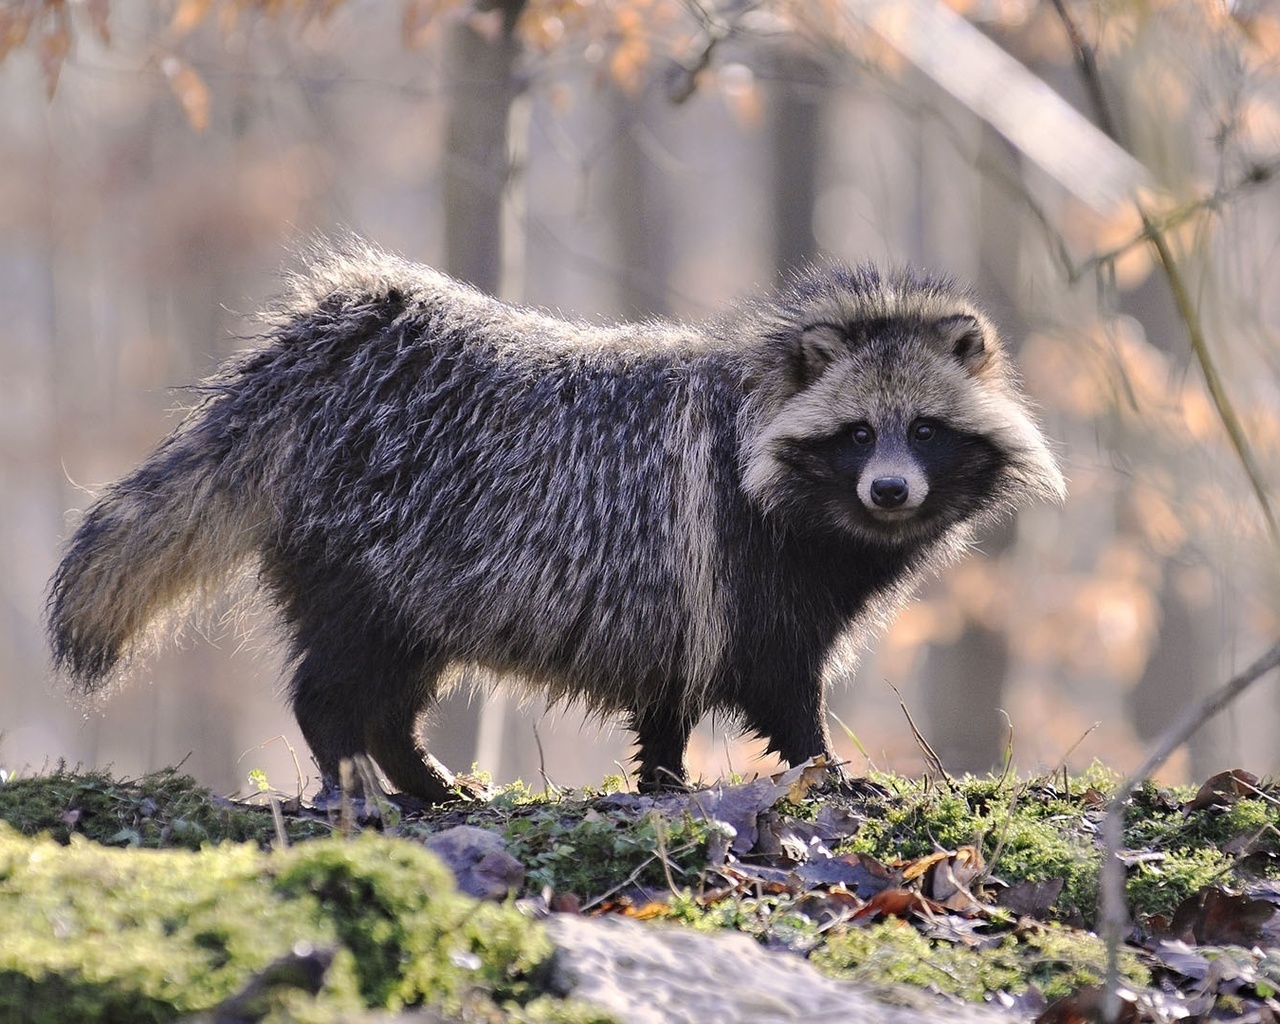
column 153, row 544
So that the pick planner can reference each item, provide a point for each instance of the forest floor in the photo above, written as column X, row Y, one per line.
column 765, row 900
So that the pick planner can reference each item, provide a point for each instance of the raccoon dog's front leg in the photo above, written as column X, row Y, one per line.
column 662, row 733
column 787, row 705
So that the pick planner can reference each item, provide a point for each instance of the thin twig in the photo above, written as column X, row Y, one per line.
column 1061, row 766
column 1255, row 176
column 1213, row 380
column 1114, row 916
column 547, row 785
column 1089, row 72
column 634, row 877
column 930, row 755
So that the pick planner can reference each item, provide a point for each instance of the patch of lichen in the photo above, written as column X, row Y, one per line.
column 102, row 934
column 165, row 809
column 1055, row 959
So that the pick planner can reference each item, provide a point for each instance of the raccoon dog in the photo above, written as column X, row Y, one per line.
column 658, row 520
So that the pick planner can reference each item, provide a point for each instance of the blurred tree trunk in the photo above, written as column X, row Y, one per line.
column 641, row 205
column 964, row 682
column 1179, row 671
column 481, row 72
column 797, row 99
column 1180, row 667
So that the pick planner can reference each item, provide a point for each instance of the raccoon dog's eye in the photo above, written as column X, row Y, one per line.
column 922, row 430
column 862, row 433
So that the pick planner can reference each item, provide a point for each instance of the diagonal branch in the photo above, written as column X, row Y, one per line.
column 1152, row 231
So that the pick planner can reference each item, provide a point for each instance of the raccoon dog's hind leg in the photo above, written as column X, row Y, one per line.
column 361, row 694
column 360, row 686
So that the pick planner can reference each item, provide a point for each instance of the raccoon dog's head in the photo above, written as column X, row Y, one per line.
column 885, row 407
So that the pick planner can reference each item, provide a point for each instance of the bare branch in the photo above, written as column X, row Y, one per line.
column 1114, row 916
column 1155, row 233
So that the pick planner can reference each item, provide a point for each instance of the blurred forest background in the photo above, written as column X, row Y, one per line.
column 1102, row 172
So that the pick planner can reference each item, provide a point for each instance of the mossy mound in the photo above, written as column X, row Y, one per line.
column 99, row 934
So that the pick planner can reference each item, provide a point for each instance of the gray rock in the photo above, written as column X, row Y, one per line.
column 479, row 861
column 651, row 974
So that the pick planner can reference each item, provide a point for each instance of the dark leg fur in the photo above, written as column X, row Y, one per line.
column 787, row 706
column 362, row 691
column 392, row 733
column 662, row 733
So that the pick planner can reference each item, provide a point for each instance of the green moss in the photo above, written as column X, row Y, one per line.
column 916, row 820
column 165, row 809
column 1158, row 887
column 1037, row 831
column 1055, row 959
column 776, row 918
column 1038, row 850
column 591, row 854
column 893, row 952
column 93, row 933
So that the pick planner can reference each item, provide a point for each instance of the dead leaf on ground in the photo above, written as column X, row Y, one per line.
column 803, row 779
column 959, row 930
column 946, row 876
column 1212, row 917
column 1175, row 955
column 1223, row 789
column 836, row 904
column 1085, row 1007
column 859, row 872
column 745, row 807
column 1032, row 899
column 897, row 903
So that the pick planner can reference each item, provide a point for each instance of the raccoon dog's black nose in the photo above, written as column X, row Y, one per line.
column 889, row 491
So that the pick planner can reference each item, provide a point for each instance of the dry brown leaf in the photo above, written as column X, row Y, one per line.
column 566, row 903
column 859, row 870
column 919, row 867
column 1031, row 899
column 1085, row 1007
column 1212, row 917
column 949, row 879
column 1223, row 789
column 801, row 780
column 897, row 903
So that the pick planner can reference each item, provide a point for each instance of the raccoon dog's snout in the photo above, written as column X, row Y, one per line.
column 893, row 482
column 890, row 492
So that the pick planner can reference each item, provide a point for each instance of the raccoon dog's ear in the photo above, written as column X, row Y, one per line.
column 963, row 337
column 816, row 348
